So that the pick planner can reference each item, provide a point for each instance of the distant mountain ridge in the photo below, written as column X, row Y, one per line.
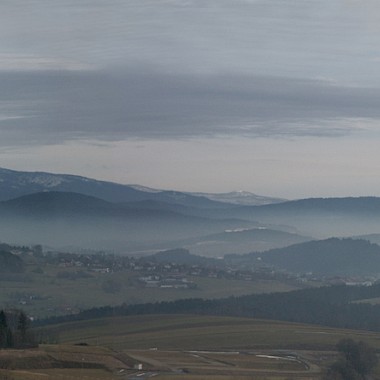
column 242, row 198
column 64, row 203
column 127, row 221
column 82, row 211
column 363, row 205
column 14, row 184
column 65, row 218
column 318, row 217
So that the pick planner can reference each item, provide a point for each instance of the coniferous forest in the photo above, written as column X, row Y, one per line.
column 15, row 330
column 334, row 306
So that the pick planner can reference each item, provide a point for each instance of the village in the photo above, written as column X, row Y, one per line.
column 151, row 271
column 117, row 278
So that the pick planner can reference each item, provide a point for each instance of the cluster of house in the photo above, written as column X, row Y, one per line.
column 174, row 282
column 152, row 273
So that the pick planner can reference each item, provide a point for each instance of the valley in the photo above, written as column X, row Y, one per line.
column 64, row 283
column 133, row 283
column 189, row 190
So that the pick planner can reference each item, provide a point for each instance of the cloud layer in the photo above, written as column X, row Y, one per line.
column 53, row 107
column 172, row 69
column 156, row 86
column 305, row 39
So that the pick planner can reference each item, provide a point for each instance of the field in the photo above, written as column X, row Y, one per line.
column 158, row 346
column 59, row 362
column 187, row 332
column 60, row 290
column 191, row 348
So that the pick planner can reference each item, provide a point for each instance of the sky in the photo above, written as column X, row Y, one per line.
column 276, row 97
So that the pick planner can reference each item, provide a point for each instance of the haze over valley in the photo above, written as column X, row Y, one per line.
column 69, row 211
column 189, row 190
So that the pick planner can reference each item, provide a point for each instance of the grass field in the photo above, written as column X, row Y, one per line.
column 198, row 347
column 48, row 293
column 172, row 332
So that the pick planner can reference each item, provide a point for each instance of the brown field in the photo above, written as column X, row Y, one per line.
column 190, row 332
column 66, row 362
column 59, row 362
column 183, row 347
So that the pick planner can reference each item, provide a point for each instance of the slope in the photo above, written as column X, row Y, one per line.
column 59, row 218
column 324, row 257
column 17, row 183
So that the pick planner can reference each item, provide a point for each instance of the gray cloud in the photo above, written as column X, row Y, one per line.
column 83, row 74
column 184, row 68
column 53, row 107
column 309, row 39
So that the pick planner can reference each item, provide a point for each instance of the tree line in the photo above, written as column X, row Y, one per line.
column 15, row 330
column 333, row 306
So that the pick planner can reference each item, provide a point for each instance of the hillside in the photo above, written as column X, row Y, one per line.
column 183, row 256
column 64, row 219
column 351, row 205
column 190, row 332
column 180, row 347
column 17, row 183
column 316, row 217
column 373, row 238
column 335, row 306
column 243, row 198
column 10, row 263
column 242, row 241
column 328, row 257
column 134, row 218
column 319, row 217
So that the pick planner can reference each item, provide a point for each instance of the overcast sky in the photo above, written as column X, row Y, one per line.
column 277, row 97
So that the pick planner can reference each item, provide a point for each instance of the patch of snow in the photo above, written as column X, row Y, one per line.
column 245, row 229
column 237, row 230
column 45, row 180
column 144, row 189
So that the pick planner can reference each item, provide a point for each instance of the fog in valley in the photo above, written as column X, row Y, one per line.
column 189, row 189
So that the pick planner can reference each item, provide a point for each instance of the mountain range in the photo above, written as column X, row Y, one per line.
column 18, row 183
column 67, row 210
column 318, row 217
column 64, row 210
column 65, row 218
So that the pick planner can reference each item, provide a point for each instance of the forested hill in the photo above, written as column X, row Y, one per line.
column 323, row 257
column 328, row 306
column 350, row 205
column 183, row 256
column 10, row 262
